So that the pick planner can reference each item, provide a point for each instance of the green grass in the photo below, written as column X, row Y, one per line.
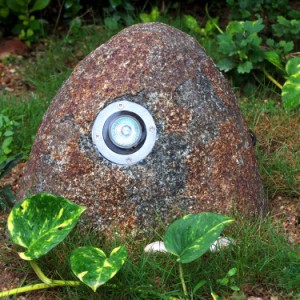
column 260, row 254
column 261, row 250
column 45, row 74
column 278, row 144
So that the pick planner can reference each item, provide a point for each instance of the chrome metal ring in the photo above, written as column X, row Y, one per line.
column 124, row 132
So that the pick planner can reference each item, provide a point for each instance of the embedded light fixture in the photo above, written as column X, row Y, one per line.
column 124, row 132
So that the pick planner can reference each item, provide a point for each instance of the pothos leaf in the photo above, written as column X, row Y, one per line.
column 191, row 236
column 40, row 222
column 93, row 268
column 291, row 88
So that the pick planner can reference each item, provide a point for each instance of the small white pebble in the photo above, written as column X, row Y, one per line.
column 220, row 243
column 157, row 246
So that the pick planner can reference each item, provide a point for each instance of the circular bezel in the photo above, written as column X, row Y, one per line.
column 121, row 156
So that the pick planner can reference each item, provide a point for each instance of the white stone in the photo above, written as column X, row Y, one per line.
column 157, row 246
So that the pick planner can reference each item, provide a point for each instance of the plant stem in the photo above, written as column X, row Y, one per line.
column 59, row 15
column 211, row 19
column 270, row 77
column 35, row 287
column 182, row 279
column 47, row 283
column 40, row 273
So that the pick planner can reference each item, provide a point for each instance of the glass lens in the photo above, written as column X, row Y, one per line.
column 125, row 131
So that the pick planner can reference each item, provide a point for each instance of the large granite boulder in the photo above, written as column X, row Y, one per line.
column 203, row 158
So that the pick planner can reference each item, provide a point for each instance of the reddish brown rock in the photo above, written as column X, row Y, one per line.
column 203, row 159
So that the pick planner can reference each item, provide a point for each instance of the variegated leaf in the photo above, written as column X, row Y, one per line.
column 191, row 236
column 93, row 268
column 40, row 222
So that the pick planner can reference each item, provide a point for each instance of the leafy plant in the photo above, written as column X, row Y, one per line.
column 229, row 280
column 206, row 34
column 291, row 88
column 268, row 9
column 151, row 17
column 6, row 196
column 39, row 223
column 191, row 236
column 288, row 29
column 7, row 132
column 118, row 14
column 29, row 28
column 240, row 46
column 4, row 10
column 71, row 8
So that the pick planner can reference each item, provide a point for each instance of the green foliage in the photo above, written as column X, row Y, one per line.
column 4, row 10
column 71, row 8
column 287, row 29
column 191, row 236
column 28, row 28
column 92, row 267
column 241, row 9
column 291, row 88
column 229, row 280
column 7, row 198
column 151, row 17
column 191, row 23
column 240, row 46
column 7, row 135
column 120, row 13
column 40, row 222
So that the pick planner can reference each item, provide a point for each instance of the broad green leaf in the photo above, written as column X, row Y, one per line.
column 5, row 145
column 226, row 64
column 293, row 66
column 40, row 222
column 39, row 5
column 246, row 67
column 234, row 288
column 273, row 58
column 191, row 236
column 112, row 23
column 93, row 268
column 291, row 88
column 17, row 6
column 8, row 132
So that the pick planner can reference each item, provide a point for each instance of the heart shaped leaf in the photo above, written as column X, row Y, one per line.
column 191, row 236
column 93, row 268
column 40, row 222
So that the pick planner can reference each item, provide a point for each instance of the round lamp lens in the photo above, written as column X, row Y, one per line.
column 125, row 132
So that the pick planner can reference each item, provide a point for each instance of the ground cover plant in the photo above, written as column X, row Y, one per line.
column 263, row 262
column 40, row 222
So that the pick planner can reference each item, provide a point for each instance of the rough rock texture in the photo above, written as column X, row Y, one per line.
column 203, row 159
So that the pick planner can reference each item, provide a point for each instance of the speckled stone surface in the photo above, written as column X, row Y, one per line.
column 203, row 159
